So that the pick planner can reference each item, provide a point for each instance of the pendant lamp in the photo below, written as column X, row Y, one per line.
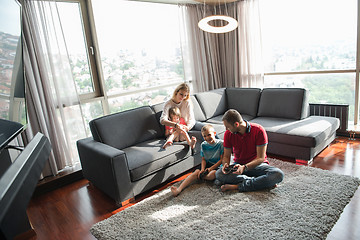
column 228, row 24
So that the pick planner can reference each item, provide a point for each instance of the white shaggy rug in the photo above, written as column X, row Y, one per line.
column 306, row 205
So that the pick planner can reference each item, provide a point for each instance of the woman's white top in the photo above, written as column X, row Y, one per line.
column 186, row 109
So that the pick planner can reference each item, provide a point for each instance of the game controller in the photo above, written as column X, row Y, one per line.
column 203, row 174
column 230, row 169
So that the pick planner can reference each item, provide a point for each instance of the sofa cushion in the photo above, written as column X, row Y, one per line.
column 244, row 100
column 308, row 132
column 198, row 113
column 291, row 103
column 218, row 119
column 148, row 157
column 219, row 127
column 158, row 108
column 124, row 129
column 208, row 101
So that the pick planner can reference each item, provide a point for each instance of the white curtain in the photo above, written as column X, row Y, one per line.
column 200, row 50
column 222, row 60
column 51, row 97
column 250, row 64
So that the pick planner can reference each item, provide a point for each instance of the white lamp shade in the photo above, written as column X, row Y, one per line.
column 231, row 25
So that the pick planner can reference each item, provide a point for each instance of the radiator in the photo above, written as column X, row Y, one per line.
column 340, row 111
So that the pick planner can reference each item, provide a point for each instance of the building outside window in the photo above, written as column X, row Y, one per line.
column 311, row 44
column 140, row 51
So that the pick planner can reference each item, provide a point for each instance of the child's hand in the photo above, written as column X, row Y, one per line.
column 199, row 173
column 203, row 173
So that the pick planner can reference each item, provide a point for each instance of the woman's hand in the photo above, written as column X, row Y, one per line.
column 181, row 128
column 185, row 127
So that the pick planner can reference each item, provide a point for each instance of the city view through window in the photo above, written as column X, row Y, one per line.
column 8, row 45
column 140, row 51
column 138, row 45
column 12, row 103
column 141, row 59
column 310, row 36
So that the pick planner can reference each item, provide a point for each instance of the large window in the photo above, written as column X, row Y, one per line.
column 140, row 51
column 139, row 59
column 123, row 54
column 72, row 25
column 311, row 44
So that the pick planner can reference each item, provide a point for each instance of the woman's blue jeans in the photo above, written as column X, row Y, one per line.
column 261, row 177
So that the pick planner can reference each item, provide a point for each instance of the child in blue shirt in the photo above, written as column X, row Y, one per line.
column 212, row 151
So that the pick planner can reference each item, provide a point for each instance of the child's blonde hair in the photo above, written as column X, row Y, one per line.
column 207, row 127
column 183, row 87
column 174, row 111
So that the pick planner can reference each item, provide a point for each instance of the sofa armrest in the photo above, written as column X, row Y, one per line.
column 340, row 111
column 106, row 168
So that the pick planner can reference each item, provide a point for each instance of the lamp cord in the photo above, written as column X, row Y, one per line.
column 204, row 9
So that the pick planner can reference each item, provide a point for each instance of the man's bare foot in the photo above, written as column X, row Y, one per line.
column 174, row 191
column 167, row 144
column 228, row 187
column 193, row 142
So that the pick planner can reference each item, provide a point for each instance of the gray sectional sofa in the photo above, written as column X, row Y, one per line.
column 124, row 157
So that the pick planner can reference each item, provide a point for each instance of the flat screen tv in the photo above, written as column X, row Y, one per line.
column 12, row 84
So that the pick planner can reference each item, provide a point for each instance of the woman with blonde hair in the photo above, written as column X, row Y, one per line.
column 180, row 99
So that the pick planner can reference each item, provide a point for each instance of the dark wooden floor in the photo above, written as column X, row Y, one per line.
column 69, row 212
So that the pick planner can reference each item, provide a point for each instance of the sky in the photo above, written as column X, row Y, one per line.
column 297, row 22
column 10, row 17
column 117, row 25
column 125, row 24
